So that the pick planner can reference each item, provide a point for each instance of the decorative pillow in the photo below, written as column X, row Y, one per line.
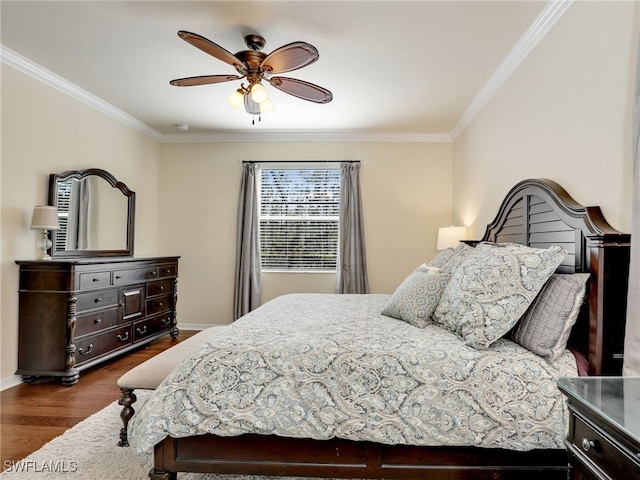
column 441, row 258
column 492, row 288
column 415, row 300
column 450, row 261
column 545, row 327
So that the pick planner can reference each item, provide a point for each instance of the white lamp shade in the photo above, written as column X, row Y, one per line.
column 236, row 99
column 267, row 106
column 45, row 217
column 450, row 237
column 258, row 93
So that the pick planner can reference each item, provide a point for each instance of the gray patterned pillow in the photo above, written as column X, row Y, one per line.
column 448, row 262
column 492, row 288
column 545, row 327
column 441, row 258
column 415, row 300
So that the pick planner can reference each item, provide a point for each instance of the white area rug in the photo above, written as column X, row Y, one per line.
column 90, row 451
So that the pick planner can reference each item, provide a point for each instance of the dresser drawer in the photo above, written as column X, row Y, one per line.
column 133, row 275
column 92, row 280
column 96, row 345
column 150, row 326
column 167, row 271
column 610, row 456
column 93, row 300
column 161, row 287
column 94, row 322
column 159, row 305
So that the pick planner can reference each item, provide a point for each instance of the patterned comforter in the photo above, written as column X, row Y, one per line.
column 323, row 366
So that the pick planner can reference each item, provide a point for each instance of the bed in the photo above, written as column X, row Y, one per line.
column 341, row 390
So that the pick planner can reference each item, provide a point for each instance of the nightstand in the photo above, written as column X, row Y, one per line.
column 603, row 442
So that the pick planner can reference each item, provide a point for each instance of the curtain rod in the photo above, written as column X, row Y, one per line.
column 300, row 161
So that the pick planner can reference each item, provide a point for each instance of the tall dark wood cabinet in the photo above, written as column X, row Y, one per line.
column 76, row 313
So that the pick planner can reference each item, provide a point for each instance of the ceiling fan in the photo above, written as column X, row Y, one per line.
column 257, row 66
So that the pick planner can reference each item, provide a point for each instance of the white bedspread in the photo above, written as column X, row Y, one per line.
column 324, row 366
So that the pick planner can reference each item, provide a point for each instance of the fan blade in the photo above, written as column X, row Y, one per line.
column 213, row 49
column 301, row 89
column 289, row 57
column 204, row 80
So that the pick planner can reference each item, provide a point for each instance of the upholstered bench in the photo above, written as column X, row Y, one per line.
column 148, row 375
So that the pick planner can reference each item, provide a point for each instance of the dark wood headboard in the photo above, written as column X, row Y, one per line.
column 539, row 213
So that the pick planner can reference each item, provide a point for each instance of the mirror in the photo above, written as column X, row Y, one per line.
column 96, row 214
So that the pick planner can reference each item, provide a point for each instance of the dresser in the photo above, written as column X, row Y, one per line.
column 77, row 313
column 604, row 427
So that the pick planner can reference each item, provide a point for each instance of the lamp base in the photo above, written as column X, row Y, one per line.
column 44, row 244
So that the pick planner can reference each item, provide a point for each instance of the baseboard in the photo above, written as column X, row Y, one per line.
column 10, row 382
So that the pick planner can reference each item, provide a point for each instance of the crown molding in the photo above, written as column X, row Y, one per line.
column 270, row 137
column 26, row 66
column 553, row 12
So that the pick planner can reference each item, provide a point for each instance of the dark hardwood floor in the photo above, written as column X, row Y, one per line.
column 33, row 414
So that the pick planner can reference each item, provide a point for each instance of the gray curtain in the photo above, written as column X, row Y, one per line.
column 632, row 332
column 248, row 281
column 352, row 259
column 78, row 220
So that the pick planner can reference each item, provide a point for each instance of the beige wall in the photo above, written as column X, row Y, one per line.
column 565, row 114
column 45, row 131
column 406, row 195
column 187, row 196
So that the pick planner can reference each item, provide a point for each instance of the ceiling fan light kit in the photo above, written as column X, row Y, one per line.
column 257, row 66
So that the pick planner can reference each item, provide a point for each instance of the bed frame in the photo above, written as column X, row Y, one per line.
column 536, row 212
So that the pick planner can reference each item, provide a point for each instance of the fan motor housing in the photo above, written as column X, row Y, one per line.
column 254, row 42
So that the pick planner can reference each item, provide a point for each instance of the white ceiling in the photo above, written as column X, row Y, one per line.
column 394, row 67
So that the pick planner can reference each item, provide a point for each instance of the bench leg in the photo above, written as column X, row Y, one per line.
column 127, row 399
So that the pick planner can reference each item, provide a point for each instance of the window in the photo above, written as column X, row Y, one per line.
column 299, row 218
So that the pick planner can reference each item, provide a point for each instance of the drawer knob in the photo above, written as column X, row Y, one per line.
column 95, row 280
column 118, row 277
column 97, row 321
column 587, row 445
column 98, row 300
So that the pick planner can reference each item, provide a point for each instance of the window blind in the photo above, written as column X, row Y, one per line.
column 64, row 197
column 299, row 218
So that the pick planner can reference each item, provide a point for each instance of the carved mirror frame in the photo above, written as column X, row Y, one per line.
column 56, row 178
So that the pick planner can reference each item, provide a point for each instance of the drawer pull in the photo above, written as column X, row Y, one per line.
column 97, row 321
column 167, row 321
column 142, row 330
column 82, row 351
column 126, row 337
column 587, row 445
